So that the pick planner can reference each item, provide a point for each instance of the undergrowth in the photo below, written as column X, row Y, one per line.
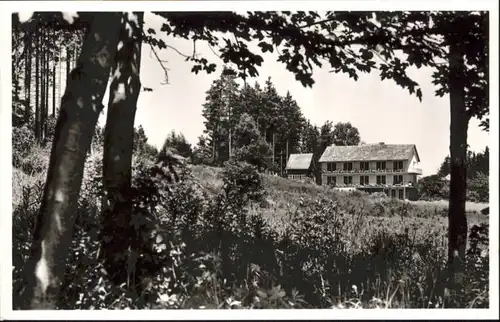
column 236, row 239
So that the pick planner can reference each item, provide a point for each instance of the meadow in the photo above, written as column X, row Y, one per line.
column 232, row 238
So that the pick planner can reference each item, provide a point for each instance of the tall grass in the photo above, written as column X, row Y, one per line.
column 231, row 238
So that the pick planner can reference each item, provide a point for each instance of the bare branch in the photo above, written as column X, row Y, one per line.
column 165, row 69
column 194, row 48
column 177, row 51
column 213, row 51
column 278, row 50
column 317, row 23
column 376, row 52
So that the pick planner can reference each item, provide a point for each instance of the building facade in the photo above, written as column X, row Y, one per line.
column 300, row 166
column 389, row 168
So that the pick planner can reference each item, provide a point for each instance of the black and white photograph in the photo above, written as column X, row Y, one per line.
column 250, row 158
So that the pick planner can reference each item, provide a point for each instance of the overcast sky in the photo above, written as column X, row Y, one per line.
column 382, row 111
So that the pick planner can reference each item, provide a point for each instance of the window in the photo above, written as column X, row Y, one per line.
column 347, row 166
column 400, row 194
column 380, row 165
column 393, row 193
column 331, row 180
column 331, row 166
column 380, row 179
column 364, row 180
column 398, row 165
column 397, row 179
column 364, row 165
column 347, row 179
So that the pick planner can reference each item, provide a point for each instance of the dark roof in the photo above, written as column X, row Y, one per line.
column 299, row 161
column 368, row 152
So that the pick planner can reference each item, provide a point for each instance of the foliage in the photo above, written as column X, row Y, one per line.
column 249, row 145
column 475, row 162
column 437, row 187
column 278, row 119
column 225, row 248
column 292, row 32
column 478, row 188
column 178, row 144
column 243, row 181
column 345, row 134
column 140, row 139
column 301, row 39
column 23, row 140
column 433, row 188
column 141, row 145
column 477, row 174
column 202, row 152
column 221, row 115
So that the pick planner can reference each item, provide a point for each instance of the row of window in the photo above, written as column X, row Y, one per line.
column 297, row 176
column 364, row 180
column 365, row 165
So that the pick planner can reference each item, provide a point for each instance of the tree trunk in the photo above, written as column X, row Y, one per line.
column 37, row 85
column 68, row 62
column 457, row 220
column 287, row 154
column 59, row 86
column 281, row 162
column 74, row 56
column 80, row 109
column 43, row 71
column 27, row 78
column 274, row 152
column 230, row 129
column 47, row 77
column 54, row 74
column 117, row 233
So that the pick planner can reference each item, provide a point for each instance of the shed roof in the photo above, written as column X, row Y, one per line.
column 369, row 152
column 299, row 161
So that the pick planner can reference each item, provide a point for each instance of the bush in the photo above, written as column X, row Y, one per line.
column 219, row 247
column 23, row 141
column 478, row 188
column 433, row 188
column 242, row 180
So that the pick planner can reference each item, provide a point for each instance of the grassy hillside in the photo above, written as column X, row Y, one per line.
column 298, row 245
column 284, row 196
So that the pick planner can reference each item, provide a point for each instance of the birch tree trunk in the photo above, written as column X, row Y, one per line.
column 80, row 109
column 117, row 233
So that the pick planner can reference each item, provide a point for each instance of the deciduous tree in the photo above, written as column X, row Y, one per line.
column 455, row 45
column 118, row 235
column 345, row 134
column 78, row 117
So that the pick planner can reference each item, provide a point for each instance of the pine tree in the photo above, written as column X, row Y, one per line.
column 222, row 102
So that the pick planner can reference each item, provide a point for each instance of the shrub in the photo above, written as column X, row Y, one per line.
column 433, row 188
column 478, row 188
column 242, row 180
column 218, row 248
column 23, row 141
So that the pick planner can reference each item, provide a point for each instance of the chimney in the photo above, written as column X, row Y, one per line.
column 381, row 143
